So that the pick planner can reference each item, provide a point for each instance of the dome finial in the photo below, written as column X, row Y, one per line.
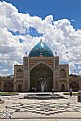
column 41, row 40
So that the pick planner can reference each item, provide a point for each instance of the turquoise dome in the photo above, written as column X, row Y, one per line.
column 41, row 49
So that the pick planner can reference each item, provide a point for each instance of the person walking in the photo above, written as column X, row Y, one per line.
column 70, row 91
column 52, row 90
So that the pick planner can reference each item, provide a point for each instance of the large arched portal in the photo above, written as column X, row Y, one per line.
column 41, row 78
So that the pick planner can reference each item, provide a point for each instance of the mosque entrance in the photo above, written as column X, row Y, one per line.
column 41, row 78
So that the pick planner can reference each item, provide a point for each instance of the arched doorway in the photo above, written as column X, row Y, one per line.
column 74, row 86
column 8, row 87
column 62, row 87
column 41, row 78
column 19, row 88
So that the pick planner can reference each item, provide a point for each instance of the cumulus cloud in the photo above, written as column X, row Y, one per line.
column 59, row 35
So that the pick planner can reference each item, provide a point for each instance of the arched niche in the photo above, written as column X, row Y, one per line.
column 19, row 88
column 63, row 87
column 62, row 73
column 19, row 73
column 74, row 85
column 8, row 87
column 41, row 76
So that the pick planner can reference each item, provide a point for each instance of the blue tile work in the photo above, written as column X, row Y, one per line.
column 41, row 49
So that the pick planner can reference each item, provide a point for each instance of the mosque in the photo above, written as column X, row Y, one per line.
column 40, row 72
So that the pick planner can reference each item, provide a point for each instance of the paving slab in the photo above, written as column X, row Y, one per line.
column 45, row 110
column 40, row 119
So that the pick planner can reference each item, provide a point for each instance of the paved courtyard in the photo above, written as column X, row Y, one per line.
column 16, row 108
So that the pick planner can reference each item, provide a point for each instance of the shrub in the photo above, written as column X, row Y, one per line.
column 67, row 93
column 8, row 93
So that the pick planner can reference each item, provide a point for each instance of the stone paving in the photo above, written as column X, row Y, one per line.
column 47, row 110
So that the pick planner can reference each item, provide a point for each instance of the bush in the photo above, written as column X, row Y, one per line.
column 8, row 93
column 67, row 93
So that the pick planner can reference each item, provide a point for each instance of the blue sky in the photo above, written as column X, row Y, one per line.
column 69, row 9
column 24, row 22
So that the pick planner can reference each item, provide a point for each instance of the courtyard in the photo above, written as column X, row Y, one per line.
column 17, row 108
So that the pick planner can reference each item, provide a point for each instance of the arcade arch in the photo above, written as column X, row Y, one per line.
column 74, row 85
column 8, row 87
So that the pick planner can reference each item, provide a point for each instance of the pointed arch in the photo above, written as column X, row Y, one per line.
column 41, row 63
column 74, row 85
column 41, row 72
column 19, row 73
column 63, row 87
column 8, row 87
column 19, row 88
column 19, row 70
column 62, row 73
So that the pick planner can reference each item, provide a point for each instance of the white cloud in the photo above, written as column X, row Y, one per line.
column 4, row 72
column 59, row 35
